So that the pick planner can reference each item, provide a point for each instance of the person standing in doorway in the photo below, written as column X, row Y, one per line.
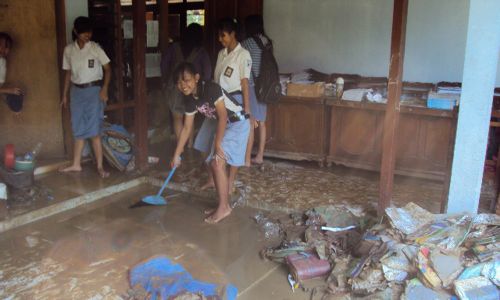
column 14, row 103
column 254, row 29
column 84, row 62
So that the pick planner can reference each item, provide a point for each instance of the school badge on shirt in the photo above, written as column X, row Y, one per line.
column 228, row 72
column 91, row 63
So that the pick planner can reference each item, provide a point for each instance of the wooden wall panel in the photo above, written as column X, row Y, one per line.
column 436, row 141
column 33, row 65
column 297, row 129
column 358, row 132
column 408, row 137
column 423, row 139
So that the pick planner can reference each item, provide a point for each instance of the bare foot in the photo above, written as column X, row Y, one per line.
column 257, row 161
column 218, row 215
column 207, row 185
column 69, row 169
column 103, row 173
column 209, row 211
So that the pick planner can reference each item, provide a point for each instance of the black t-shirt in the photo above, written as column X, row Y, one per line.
column 209, row 93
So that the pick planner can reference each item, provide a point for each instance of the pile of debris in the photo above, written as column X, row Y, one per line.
column 415, row 255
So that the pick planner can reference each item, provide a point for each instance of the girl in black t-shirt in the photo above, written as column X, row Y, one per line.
column 231, row 136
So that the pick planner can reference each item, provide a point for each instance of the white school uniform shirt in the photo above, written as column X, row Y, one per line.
column 232, row 67
column 3, row 70
column 86, row 63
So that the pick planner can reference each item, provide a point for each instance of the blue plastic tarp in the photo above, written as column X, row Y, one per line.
column 161, row 278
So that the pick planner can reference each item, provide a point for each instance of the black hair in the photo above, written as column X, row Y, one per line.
column 254, row 26
column 81, row 25
column 229, row 25
column 183, row 68
column 192, row 39
column 6, row 37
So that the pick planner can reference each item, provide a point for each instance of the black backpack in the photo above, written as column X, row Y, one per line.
column 267, row 85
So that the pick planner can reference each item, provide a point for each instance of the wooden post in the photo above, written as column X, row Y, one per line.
column 163, row 20
column 61, row 43
column 391, row 119
column 141, row 107
column 118, row 63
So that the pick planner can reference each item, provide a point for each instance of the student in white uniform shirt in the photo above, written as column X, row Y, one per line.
column 84, row 62
column 5, row 46
column 232, row 72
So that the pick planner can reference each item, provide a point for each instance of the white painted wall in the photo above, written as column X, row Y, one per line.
column 74, row 9
column 353, row 36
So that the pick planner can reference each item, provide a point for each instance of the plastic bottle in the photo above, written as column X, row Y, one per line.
column 30, row 156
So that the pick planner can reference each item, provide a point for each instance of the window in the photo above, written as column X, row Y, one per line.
column 195, row 16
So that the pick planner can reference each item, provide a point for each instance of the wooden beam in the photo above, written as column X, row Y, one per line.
column 391, row 119
column 139, row 74
column 449, row 161
column 163, row 19
column 118, row 63
column 61, row 43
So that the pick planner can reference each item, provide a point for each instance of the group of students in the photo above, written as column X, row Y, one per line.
column 228, row 102
column 229, row 105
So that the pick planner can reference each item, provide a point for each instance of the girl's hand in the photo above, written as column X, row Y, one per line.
column 255, row 124
column 14, row 91
column 219, row 153
column 175, row 162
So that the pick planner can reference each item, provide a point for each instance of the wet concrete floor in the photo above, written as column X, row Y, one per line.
column 86, row 253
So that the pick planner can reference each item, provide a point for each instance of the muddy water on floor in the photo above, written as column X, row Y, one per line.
column 86, row 253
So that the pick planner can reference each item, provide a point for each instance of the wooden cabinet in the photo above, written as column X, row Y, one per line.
column 350, row 133
column 424, row 143
column 355, row 137
column 425, row 138
column 297, row 129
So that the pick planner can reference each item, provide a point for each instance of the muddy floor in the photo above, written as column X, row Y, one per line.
column 297, row 186
column 87, row 253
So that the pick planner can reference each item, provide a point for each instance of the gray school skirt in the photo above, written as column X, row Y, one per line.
column 234, row 142
column 87, row 112
column 205, row 136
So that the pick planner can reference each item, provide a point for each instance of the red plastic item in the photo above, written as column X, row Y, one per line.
column 307, row 265
column 9, row 158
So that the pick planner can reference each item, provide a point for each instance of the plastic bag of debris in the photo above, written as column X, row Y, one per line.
column 270, row 229
column 331, row 216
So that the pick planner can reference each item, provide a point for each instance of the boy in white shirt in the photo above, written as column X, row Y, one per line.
column 84, row 62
